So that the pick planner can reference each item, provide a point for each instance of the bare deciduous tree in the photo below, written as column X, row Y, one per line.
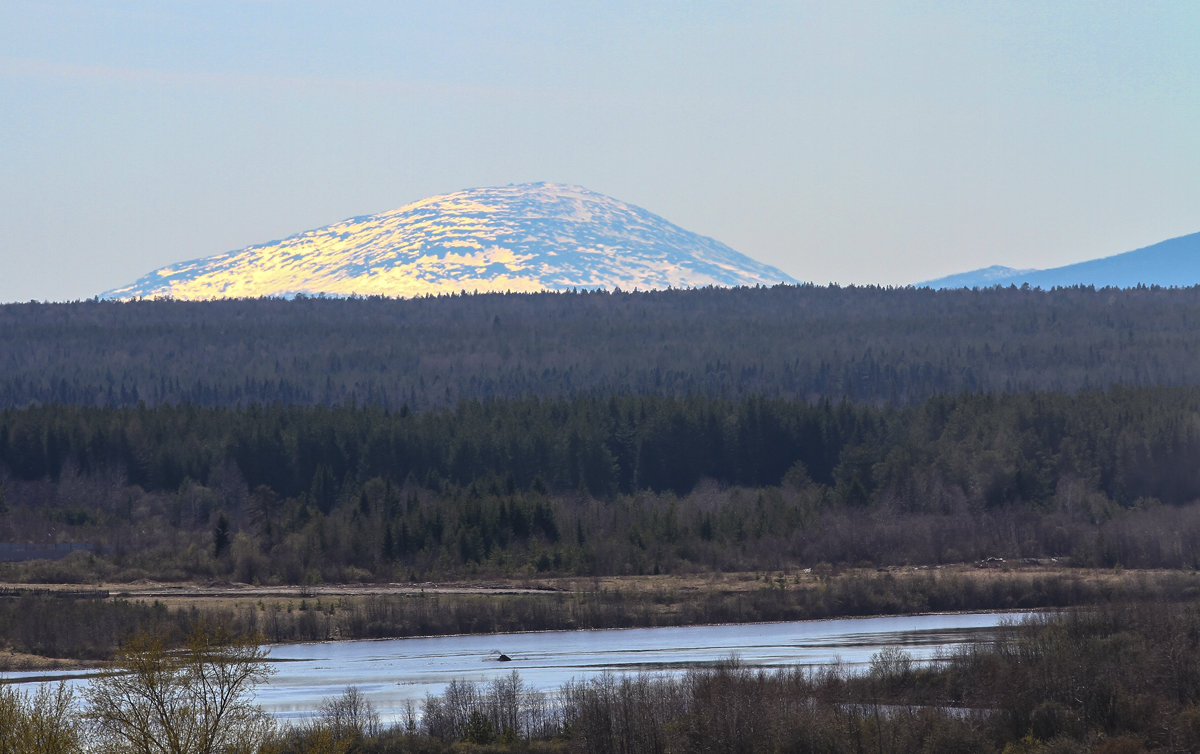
column 350, row 715
column 199, row 699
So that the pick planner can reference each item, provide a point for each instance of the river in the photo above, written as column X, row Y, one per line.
column 393, row 672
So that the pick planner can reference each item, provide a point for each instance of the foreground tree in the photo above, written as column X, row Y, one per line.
column 41, row 722
column 196, row 700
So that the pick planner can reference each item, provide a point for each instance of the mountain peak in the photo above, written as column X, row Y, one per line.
column 520, row 237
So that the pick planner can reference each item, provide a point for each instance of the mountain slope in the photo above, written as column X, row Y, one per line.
column 1172, row 263
column 526, row 237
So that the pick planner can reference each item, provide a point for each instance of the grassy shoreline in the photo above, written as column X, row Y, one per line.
column 42, row 631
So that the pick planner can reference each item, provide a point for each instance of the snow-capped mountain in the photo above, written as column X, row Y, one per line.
column 1172, row 263
column 527, row 237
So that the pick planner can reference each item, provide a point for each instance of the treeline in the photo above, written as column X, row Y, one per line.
column 1128, row 445
column 590, row 486
column 869, row 345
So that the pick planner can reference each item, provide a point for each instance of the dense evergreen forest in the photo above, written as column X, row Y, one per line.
column 607, row 486
column 601, row 433
column 869, row 345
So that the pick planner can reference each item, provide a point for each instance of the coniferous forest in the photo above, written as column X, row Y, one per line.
column 603, row 433
column 868, row 345
column 622, row 485
column 840, row 444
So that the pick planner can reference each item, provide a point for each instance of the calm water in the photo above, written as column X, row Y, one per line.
column 391, row 672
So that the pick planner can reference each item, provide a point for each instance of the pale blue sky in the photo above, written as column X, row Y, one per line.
column 881, row 142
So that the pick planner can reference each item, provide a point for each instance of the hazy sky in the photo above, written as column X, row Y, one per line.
column 883, row 142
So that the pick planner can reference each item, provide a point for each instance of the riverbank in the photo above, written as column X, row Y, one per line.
column 1118, row 678
column 52, row 627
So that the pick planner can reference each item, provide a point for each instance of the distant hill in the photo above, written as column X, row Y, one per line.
column 1170, row 264
column 519, row 238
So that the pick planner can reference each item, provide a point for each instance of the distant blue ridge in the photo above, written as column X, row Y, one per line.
column 1174, row 263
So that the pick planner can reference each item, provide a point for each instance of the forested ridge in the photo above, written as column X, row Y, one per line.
column 875, row 345
column 608, row 486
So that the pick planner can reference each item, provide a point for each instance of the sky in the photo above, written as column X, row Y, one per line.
column 842, row 141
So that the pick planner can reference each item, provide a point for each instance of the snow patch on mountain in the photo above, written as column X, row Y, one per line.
column 520, row 238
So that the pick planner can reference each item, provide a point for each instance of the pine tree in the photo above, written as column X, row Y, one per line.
column 221, row 536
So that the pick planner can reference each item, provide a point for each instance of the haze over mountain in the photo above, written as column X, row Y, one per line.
column 527, row 237
column 1172, row 263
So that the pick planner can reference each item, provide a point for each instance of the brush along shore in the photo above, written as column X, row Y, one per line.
column 48, row 625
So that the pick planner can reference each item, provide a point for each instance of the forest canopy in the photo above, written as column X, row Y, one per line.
column 874, row 345
column 601, row 432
